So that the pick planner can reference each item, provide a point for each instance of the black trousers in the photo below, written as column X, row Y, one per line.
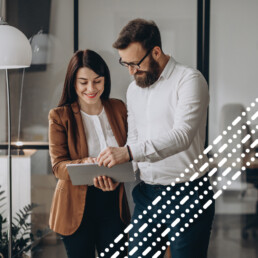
column 101, row 224
column 193, row 240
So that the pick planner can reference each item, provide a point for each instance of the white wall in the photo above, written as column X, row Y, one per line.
column 100, row 22
column 233, row 56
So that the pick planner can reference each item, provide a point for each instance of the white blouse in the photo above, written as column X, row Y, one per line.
column 98, row 133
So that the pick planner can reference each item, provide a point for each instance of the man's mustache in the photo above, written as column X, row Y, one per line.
column 139, row 72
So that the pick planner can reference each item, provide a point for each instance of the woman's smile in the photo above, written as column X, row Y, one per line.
column 91, row 95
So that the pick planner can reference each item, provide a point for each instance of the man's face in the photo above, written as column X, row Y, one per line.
column 149, row 70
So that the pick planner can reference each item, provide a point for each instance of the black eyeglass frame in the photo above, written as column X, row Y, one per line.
column 133, row 65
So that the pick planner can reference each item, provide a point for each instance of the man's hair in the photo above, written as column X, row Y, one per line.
column 139, row 30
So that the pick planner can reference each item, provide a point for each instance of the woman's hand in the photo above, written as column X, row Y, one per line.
column 105, row 183
column 90, row 160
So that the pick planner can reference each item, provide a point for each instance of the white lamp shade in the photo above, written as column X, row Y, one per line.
column 15, row 49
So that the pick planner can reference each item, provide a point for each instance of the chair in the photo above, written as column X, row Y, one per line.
column 229, row 113
column 235, row 198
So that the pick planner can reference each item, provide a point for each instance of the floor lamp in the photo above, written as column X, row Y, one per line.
column 15, row 53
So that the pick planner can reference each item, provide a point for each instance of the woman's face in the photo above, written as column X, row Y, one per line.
column 89, row 86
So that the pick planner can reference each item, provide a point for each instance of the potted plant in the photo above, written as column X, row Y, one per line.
column 21, row 231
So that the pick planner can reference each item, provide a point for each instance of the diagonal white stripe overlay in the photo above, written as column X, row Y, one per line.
column 219, row 192
column 208, row 203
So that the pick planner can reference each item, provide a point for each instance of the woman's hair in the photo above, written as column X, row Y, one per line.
column 139, row 30
column 84, row 58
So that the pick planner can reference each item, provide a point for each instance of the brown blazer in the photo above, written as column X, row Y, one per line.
column 67, row 144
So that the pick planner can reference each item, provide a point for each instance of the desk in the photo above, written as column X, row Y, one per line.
column 31, row 184
column 21, row 179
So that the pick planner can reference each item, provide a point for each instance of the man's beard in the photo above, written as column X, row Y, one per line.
column 151, row 75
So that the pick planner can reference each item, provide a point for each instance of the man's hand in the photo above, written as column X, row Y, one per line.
column 112, row 156
column 105, row 183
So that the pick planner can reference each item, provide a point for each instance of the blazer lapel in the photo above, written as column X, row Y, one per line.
column 80, row 133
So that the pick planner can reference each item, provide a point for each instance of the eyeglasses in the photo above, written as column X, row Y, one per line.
column 133, row 65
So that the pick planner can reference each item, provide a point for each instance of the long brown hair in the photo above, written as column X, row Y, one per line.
column 84, row 58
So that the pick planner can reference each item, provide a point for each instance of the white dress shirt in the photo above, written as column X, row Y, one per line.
column 98, row 133
column 166, row 124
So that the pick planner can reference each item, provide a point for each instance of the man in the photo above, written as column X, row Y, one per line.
column 167, row 110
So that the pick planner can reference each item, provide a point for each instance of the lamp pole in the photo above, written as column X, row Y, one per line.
column 15, row 53
column 9, row 160
column 9, row 167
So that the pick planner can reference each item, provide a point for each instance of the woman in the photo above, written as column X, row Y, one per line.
column 85, row 122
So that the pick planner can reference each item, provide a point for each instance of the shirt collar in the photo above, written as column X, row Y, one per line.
column 168, row 69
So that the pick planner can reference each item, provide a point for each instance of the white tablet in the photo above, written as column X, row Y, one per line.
column 83, row 174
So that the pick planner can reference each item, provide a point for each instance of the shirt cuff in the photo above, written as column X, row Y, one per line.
column 136, row 151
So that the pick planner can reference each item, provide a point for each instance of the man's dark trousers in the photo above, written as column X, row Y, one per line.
column 191, row 234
